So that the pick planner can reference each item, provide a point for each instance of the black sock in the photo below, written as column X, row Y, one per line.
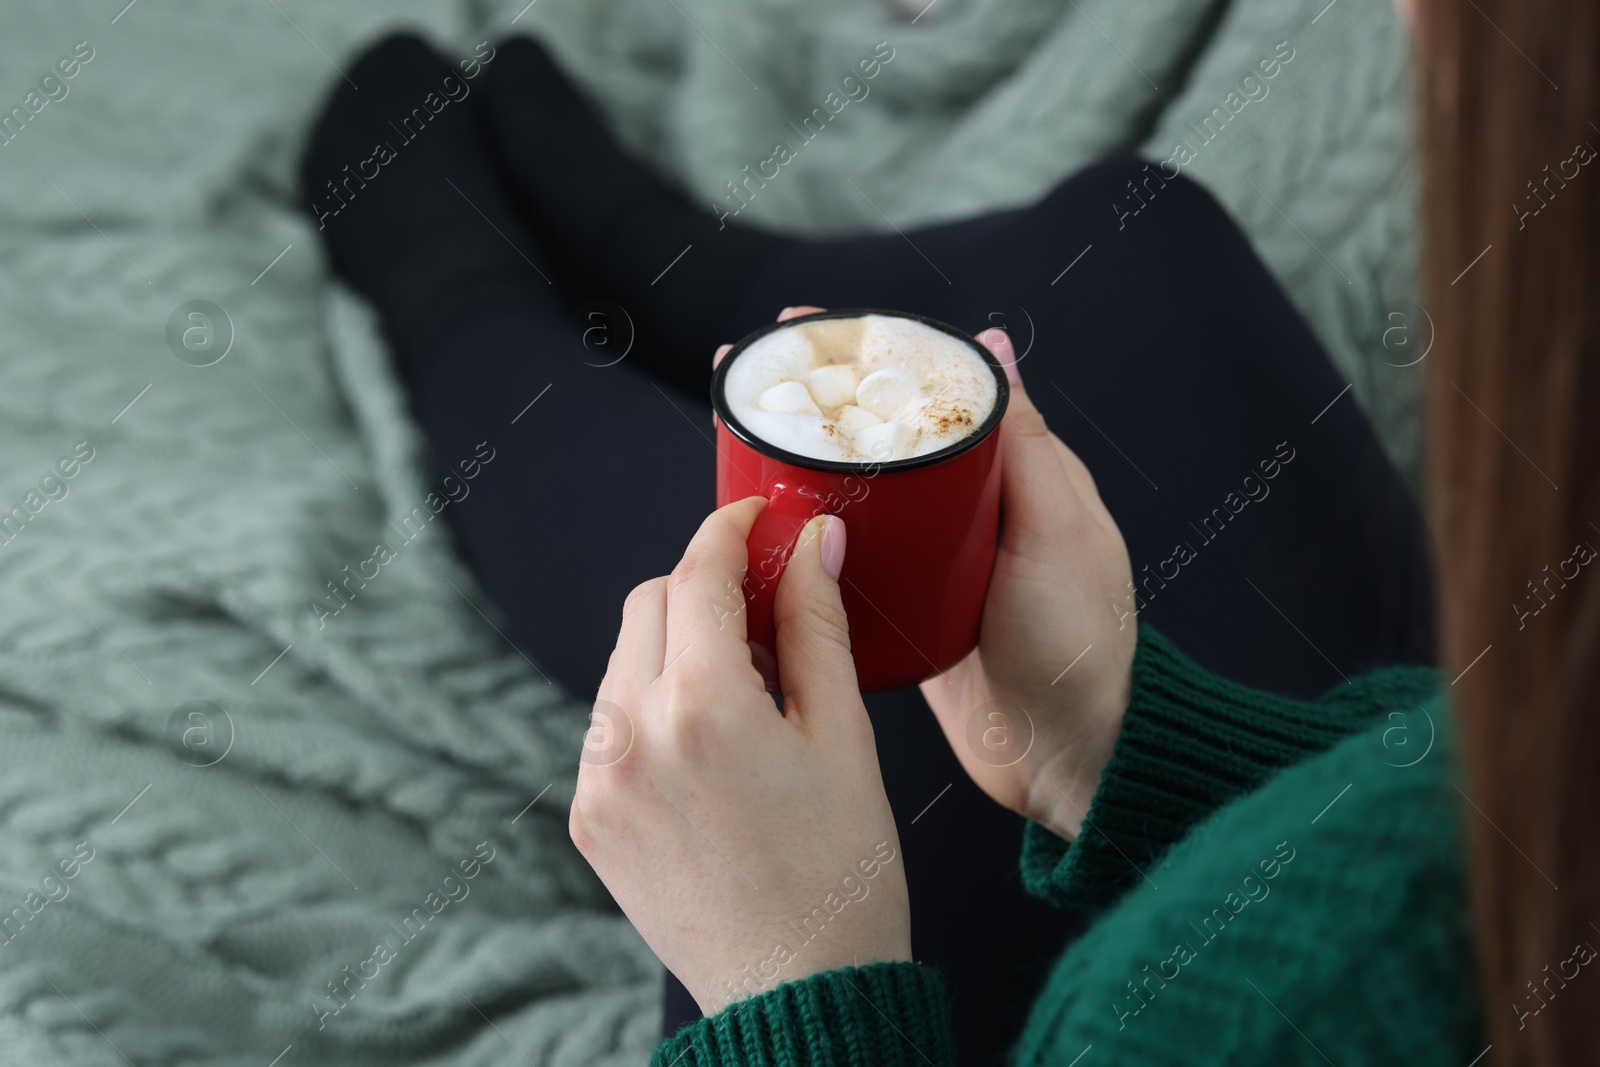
column 411, row 207
column 671, row 265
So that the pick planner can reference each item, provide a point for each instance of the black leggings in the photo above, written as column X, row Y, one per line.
column 1271, row 539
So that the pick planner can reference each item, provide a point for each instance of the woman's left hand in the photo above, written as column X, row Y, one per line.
column 748, row 847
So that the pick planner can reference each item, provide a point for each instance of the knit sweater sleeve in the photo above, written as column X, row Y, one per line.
column 1191, row 741
column 880, row 1015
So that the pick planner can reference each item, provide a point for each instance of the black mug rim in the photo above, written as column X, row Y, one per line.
column 833, row 466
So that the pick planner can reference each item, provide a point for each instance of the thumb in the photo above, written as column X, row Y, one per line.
column 1036, row 489
column 814, row 663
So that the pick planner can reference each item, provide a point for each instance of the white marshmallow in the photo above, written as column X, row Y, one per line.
column 883, row 392
column 852, row 420
column 957, row 390
column 791, row 397
column 833, row 384
column 886, row 440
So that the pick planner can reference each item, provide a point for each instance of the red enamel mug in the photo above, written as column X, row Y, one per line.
column 921, row 531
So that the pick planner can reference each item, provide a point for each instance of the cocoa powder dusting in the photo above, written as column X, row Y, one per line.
column 948, row 419
column 958, row 419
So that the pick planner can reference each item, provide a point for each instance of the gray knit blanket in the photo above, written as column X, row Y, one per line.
column 253, row 813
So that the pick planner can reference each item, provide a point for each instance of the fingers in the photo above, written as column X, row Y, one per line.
column 1042, row 479
column 1083, row 483
column 814, row 664
column 998, row 342
column 1036, row 491
column 722, row 350
column 641, row 641
column 712, row 569
column 635, row 663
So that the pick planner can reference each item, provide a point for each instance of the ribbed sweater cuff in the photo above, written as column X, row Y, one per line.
column 1190, row 742
column 888, row 1014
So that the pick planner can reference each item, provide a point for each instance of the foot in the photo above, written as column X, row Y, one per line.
column 674, row 266
column 408, row 201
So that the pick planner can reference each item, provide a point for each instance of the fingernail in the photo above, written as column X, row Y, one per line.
column 784, row 312
column 833, row 545
column 998, row 342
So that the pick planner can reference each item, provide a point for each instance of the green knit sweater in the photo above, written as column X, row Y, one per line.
column 1275, row 881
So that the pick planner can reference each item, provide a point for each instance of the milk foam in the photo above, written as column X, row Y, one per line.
column 859, row 390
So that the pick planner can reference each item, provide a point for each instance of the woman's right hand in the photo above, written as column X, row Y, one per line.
column 1034, row 710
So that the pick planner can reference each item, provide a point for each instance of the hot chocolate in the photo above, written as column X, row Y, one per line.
column 873, row 388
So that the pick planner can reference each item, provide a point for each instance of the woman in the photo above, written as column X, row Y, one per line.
column 1272, row 876
column 1315, row 979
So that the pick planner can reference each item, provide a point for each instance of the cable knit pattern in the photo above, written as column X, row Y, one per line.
column 1312, row 911
column 373, row 751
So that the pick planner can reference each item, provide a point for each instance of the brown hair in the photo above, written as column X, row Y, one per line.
column 1512, row 283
